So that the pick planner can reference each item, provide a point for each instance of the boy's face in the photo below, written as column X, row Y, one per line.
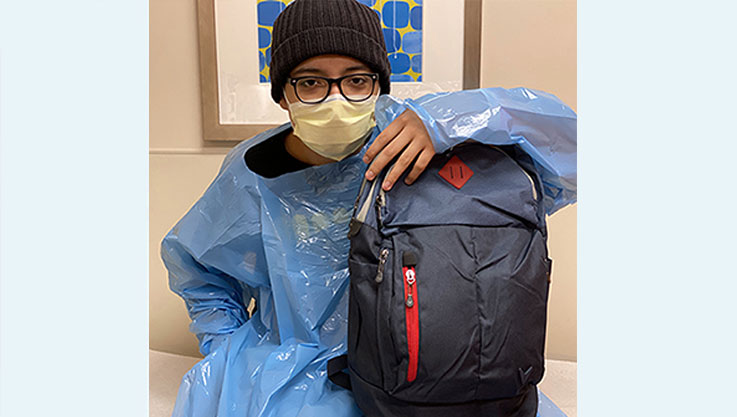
column 331, row 66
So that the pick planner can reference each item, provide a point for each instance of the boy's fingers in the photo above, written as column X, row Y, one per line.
column 422, row 162
column 385, row 137
column 387, row 154
column 409, row 155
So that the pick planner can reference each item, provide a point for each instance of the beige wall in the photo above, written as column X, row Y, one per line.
column 180, row 165
column 529, row 43
column 532, row 43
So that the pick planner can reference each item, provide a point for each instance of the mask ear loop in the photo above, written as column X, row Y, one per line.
column 289, row 107
column 284, row 95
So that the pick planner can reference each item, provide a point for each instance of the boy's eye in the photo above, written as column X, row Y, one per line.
column 310, row 83
column 357, row 81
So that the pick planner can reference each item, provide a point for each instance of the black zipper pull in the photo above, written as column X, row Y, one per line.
column 409, row 259
column 382, row 260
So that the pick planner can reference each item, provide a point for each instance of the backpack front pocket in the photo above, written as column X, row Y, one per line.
column 433, row 317
column 466, row 313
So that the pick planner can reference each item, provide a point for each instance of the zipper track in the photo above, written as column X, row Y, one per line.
column 524, row 171
column 381, row 195
column 412, row 318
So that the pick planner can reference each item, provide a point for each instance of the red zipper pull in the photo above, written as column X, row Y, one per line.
column 410, row 278
column 411, row 312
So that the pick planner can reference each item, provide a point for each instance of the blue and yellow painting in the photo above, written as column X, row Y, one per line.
column 401, row 21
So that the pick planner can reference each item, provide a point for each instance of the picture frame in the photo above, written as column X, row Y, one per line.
column 236, row 105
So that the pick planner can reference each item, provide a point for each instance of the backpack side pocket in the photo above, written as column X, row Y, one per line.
column 363, row 345
column 513, row 278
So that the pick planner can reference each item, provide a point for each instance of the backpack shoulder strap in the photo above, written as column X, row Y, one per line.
column 336, row 366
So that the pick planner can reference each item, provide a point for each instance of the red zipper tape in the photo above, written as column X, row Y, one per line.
column 412, row 316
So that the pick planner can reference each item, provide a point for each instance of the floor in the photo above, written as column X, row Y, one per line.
column 166, row 371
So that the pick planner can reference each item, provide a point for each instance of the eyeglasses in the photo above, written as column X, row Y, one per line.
column 354, row 87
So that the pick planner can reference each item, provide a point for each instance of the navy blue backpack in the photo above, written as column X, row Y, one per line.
column 449, row 282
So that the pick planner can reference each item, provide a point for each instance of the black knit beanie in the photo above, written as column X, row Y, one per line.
column 308, row 28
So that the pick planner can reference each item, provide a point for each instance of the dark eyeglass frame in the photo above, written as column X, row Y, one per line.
column 373, row 75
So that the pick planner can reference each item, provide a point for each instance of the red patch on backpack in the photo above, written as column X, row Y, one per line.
column 456, row 172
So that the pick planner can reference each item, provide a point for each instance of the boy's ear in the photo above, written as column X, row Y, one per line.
column 283, row 103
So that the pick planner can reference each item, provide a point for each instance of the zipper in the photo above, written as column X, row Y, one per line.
column 529, row 178
column 524, row 171
column 448, row 155
column 379, row 203
column 377, row 207
column 411, row 313
column 382, row 197
column 382, row 260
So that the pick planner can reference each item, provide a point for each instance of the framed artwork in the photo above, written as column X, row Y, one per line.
column 433, row 45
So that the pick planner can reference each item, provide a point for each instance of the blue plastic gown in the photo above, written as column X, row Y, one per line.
column 283, row 242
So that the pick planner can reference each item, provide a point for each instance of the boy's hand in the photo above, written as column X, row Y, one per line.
column 408, row 133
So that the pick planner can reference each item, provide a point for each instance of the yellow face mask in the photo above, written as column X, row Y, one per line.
column 334, row 128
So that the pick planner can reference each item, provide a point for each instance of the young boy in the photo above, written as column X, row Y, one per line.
column 272, row 226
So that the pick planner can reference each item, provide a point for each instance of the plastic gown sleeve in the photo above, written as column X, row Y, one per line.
column 538, row 122
column 215, row 283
